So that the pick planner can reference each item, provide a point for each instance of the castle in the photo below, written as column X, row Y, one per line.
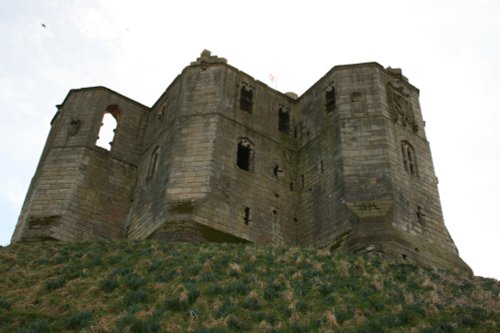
column 221, row 157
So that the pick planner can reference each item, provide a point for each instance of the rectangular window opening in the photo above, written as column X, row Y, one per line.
column 246, row 215
column 243, row 157
column 330, row 100
column 284, row 121
column 246, row 99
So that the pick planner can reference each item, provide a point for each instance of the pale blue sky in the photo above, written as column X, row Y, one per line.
column 450, row 50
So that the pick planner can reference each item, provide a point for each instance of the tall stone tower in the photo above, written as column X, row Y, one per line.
column 79, row 190
column 222, row 157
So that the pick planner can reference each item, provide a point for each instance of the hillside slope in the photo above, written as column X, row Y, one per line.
column 179, row 287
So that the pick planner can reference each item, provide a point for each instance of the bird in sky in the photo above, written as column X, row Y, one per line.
column 43, row 25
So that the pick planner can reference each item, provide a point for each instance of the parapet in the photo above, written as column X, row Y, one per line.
column 206, row 57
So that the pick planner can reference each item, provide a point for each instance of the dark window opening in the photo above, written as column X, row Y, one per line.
column 409, row 159
column 246, row 215
column 330, row 99
column 277, row 171
column 244, row 155
column 246, row 99
column 291, row 187
column 303, row 181
column 321, row 166
column 284, row 121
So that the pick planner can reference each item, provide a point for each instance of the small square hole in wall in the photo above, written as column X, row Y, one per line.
column 277, row 171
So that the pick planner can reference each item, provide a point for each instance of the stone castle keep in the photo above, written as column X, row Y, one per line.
column 221, row 157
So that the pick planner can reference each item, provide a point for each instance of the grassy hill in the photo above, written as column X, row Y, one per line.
column 177, row 287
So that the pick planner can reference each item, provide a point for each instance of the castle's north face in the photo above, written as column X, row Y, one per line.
column 221, row 157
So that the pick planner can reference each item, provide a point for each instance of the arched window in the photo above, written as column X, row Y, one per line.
column 409, row 158
column 108, row 127
column 244, row 155
column 153, row 163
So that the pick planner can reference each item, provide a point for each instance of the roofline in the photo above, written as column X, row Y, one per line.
column 231, row 67
column 101, row 88
column 335, row 68
column 348, row 66
column 178, row 77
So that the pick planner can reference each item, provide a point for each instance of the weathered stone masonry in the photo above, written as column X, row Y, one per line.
column 222, row 157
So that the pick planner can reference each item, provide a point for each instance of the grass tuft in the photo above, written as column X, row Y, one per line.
column 55, row 283
column 108, row 285
column 38, row 326
column 136, row 297
column 79, row 320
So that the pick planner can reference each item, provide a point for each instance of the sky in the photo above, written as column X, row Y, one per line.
column 449, row 49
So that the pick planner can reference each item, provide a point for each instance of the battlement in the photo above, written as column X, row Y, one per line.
column 222, row 157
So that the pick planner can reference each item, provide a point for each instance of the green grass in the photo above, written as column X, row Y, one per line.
column 179, row 287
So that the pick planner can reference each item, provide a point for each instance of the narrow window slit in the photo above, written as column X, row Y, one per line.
column 409, row 160
column 330, row 99
column 246, row 215
column 276, row 170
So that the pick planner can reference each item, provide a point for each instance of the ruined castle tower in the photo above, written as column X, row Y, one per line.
column 221, row 157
